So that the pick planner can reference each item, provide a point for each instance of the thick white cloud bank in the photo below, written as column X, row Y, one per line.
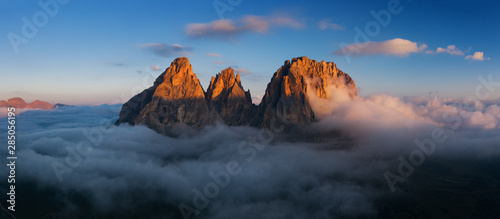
column 74, row 163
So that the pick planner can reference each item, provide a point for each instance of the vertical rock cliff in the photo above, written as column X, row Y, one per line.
column 287, row 101
column 227, row 99
column 177, row 100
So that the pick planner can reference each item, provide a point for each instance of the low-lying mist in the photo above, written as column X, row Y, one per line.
column 397, row 157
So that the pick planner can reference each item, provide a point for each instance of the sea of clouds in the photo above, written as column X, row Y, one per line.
column 73, row 162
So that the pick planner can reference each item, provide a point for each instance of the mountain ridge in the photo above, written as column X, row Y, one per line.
column 177, row 101
column 19, row 103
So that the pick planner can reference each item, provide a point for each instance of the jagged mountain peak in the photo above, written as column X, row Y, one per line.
column 179, row 82
column 226, row 82
column 177, row 98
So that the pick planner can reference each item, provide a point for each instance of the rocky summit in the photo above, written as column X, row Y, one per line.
column 288, row 94
column 177, row 102
column 227, row 100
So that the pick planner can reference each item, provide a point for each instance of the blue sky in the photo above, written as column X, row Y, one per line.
column 94, row 52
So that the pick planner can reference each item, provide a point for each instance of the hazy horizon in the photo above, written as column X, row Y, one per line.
column 415, row 47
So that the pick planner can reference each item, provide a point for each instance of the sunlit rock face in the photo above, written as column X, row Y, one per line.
column 228, row 101
column 289, row 93
column 177, row 101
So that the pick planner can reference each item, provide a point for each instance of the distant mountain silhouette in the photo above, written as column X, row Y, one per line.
column 19, row 103
column 177, row 100
column 59, row 105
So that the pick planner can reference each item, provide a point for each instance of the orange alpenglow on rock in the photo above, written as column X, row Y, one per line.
column 288, row 91
column 228, row 100
column 179, row 82
column 19, row 103
column 177, row 102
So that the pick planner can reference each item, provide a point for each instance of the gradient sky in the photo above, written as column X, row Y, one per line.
column 94, row 52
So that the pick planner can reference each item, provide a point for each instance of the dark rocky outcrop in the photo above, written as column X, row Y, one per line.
column 59, row 105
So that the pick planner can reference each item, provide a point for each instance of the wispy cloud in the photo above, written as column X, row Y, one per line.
column 256, row 99
column 218, row 62
column 165, row 50
column 155, row 68
column 286, row 21
column 239, row 69
column 326, row 25
column 214, row 54
column 401, row 47
column 224, row 29
column 118, row 64
column 451, row 49
column 242, row 70
column 395, row 47
column 478, row 56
